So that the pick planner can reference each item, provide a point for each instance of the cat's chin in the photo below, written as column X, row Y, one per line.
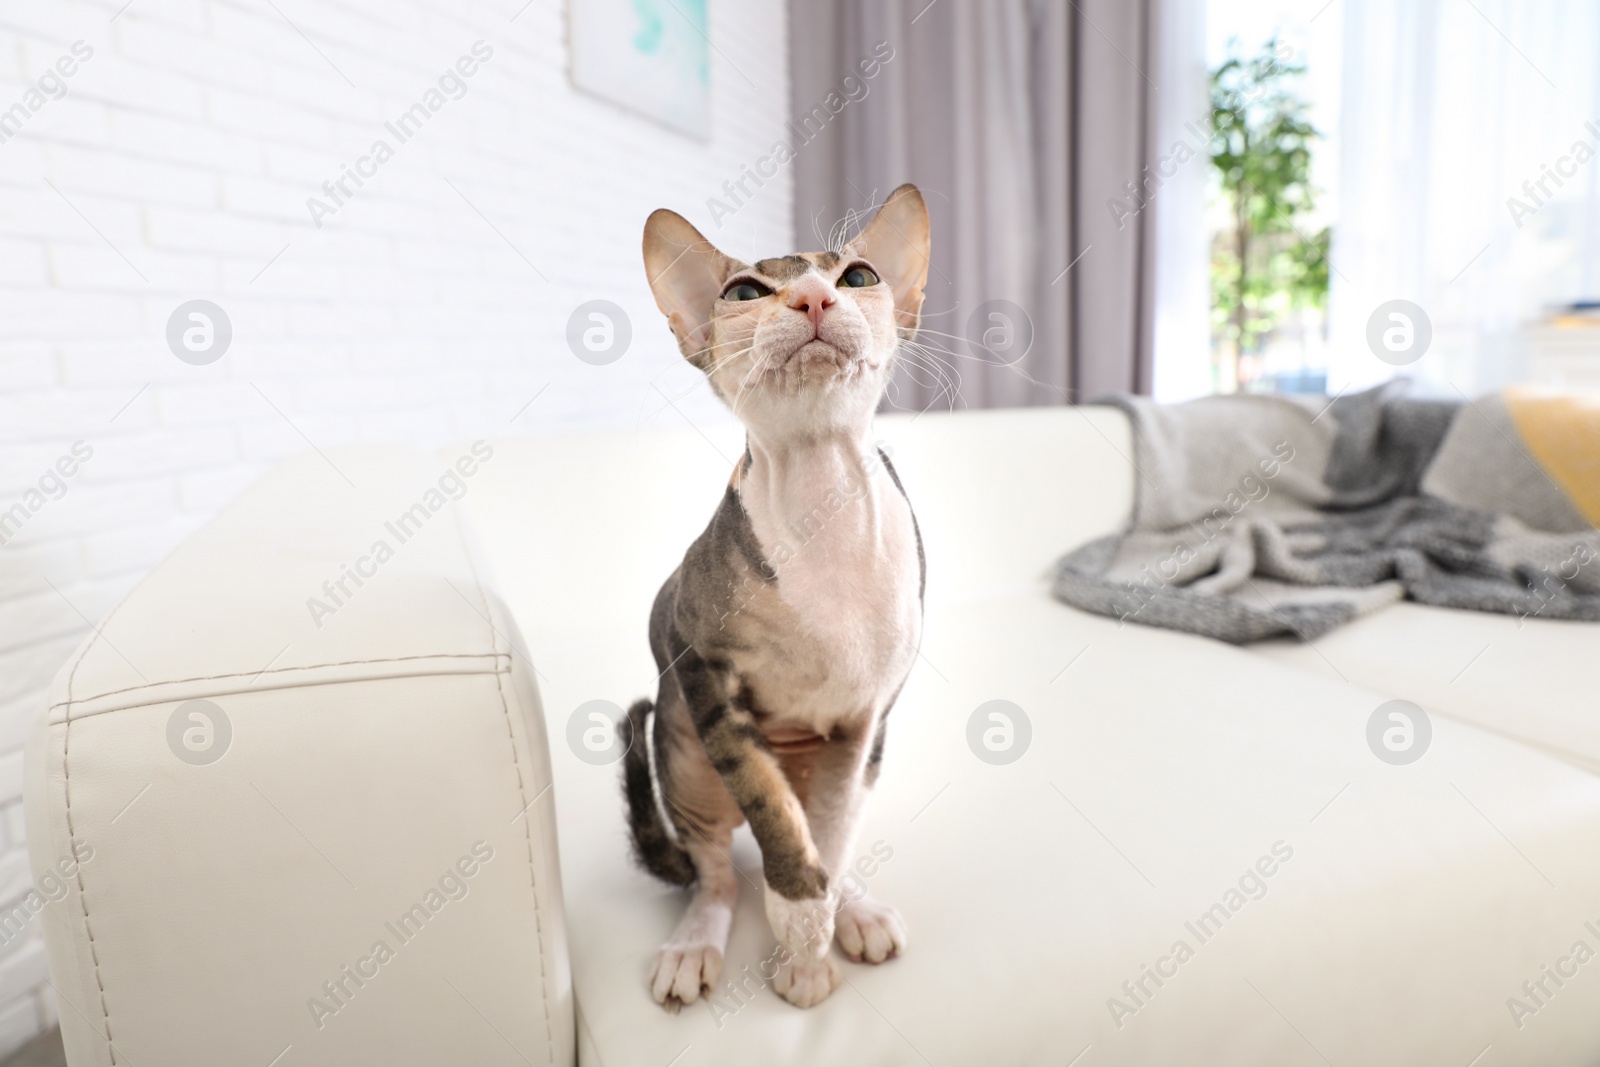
column 817, row 354
column 820, row 361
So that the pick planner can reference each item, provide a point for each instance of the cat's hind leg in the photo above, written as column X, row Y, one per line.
column 690, row 961
column 704, row 817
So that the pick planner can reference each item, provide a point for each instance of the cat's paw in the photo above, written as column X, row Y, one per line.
column 807, row 982
column 870, row 931
column 684, row 971
column 804, row 926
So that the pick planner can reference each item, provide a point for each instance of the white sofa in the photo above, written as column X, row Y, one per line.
column 1335, row 908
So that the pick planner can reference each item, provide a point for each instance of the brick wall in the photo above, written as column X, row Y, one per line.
column 171, row 156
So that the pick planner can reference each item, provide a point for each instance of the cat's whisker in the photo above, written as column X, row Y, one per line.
column 841, row 232
column 1012, row 365
column 727, row 344
column 946, row 377
column 915, row 373
column 991, row 358
column 924, row 378
column 727, row 359
column 932, row 353
column 739, row 395
column 816, row 228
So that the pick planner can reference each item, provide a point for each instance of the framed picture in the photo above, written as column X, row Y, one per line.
column 652, row 57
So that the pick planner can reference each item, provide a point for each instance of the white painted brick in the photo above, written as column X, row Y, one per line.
column 269, row 439
column 23, row 971
column 22, row 264
column 127, row 362
column 136, row 550
column 169, row 450
column 16, row 826
column 84, row 214
column 21, row 466
column 291, row 359
column 27, row 568
column 173, row 139
column 19, row 1022
column 27, row 365
column 88, row 264
column 72, row 118
column 344, row 319
column 249, row 195
column 189, row 15
column 53, row 414
column 208, row 61
column 88, row 508
column 124, row 176
column 220, row 401
column 156, row 89
column 52, row 614
column 47, row 1008
column 16, row 873
column 272, row 37
column 51, row 30
column 205, row 492
column 18, row 717
column 26, row 672
column 290, row 163
column 60, row 313
column 269, row 119
column 194, row 231
column 11, row 775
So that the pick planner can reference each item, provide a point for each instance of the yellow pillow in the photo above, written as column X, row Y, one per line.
column 1562, row 430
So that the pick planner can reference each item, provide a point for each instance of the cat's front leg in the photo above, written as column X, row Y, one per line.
column 868, row 930
column 836, row 790
column 798, row 904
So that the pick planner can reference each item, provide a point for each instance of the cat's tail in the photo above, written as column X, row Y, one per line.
column 653, row 843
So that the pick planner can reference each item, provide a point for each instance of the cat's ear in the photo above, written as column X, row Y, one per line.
column 686, row 273
column 896, row 243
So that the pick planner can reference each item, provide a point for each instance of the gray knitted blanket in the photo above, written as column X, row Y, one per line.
column 1257, row 516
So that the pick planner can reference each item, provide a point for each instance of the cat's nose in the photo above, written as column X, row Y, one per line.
column 813, row 296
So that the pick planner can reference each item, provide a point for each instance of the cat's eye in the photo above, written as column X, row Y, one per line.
column 857, row 278
column 746, row 290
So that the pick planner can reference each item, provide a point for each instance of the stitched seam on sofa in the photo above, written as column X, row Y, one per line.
column 533, row 882
column 493, row 655
column 83, row 899
column 309, row 683
column 522, row 794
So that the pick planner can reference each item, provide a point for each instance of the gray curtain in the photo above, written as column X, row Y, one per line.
column 1019, row 120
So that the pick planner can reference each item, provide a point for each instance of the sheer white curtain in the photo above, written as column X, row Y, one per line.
column 1181, row 293
column 1470, row 139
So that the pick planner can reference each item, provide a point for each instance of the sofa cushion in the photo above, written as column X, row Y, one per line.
column 1162, row 770
column 1405, row 904
column 1536, row 680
